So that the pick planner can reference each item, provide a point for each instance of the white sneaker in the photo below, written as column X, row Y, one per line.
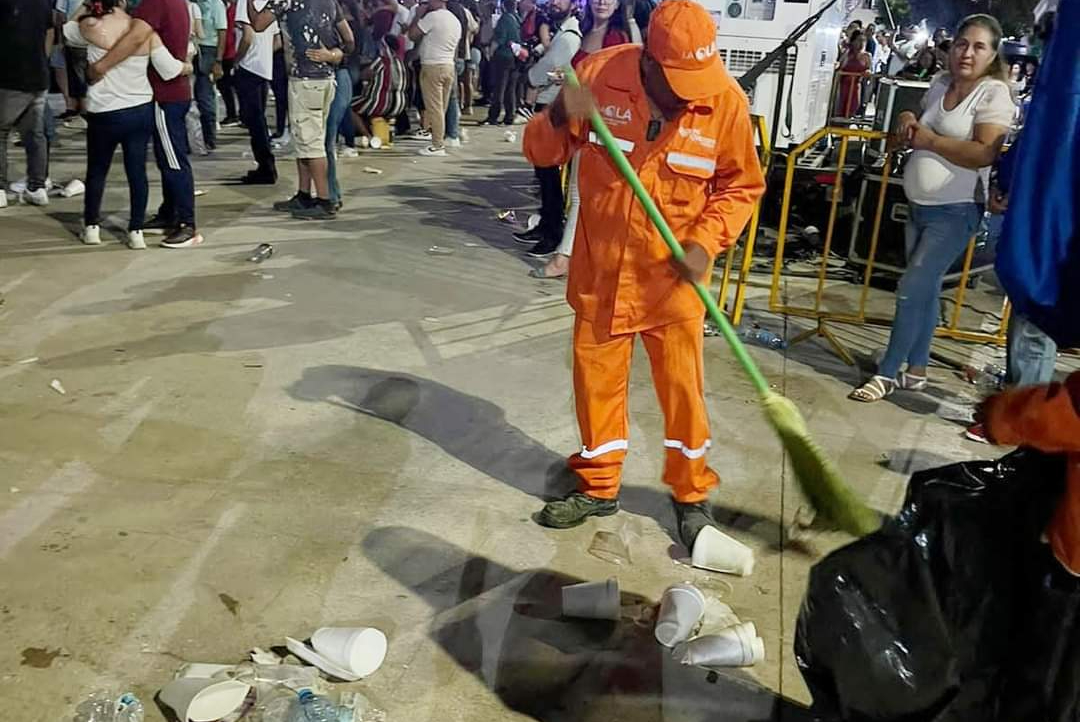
column 91, row 235
column 40, row 197
column 283, row 141
column 3, row 199
column 19, row 186
column 350, row 152
column 433, row 151
column 453, row 143
column 419, row 135
column 135, row 241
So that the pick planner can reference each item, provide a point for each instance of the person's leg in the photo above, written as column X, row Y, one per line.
column 500, row 72
column 453, row 111
column 510, row 98
column 559, row 265
column 164, row 157
column 309, row 109
column 228, row 92
column 171, row 151
column 251, row 92
column 948, row 233
column 205, row 96
column 905, row 320
column 675, row 355
column 138, row 128
column 31, row 126
column 429, row 88
column 1031, row 354
column 281, row 93
column 601, row 380
column 338, row 110
column 102, row 136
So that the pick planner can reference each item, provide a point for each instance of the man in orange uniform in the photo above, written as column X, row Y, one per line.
column 684, row 125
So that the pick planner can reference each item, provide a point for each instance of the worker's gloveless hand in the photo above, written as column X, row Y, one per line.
column 573, row 103
column 696, row 265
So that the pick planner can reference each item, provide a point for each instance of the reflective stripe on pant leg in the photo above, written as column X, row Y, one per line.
column 601, row 376
column 675, row 355
column 162, row 130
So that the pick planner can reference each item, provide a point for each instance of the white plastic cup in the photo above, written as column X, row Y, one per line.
column 74, row 187
column 375, row 142
column 737, row 646
column 716, row 551
column 681, row 610
column 204, row 700
column 592, row 600
column 359, row 649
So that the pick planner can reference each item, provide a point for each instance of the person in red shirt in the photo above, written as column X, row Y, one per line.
column 225, row 83
column 172, row 98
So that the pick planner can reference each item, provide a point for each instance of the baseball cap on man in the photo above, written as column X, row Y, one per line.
column 682, row 39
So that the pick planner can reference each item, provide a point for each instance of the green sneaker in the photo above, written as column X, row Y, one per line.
column 691, row 519
column 574, row 510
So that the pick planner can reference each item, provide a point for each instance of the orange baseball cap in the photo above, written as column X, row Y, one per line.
column 682, row 39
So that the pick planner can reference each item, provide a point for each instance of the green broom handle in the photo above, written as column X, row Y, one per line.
column 677, row 251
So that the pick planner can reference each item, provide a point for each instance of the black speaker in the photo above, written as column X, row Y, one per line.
column 891, row 255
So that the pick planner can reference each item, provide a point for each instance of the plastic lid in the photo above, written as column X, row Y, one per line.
column 305, row 694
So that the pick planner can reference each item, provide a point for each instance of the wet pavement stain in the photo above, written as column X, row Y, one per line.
column 230, row 603
column 38, row 657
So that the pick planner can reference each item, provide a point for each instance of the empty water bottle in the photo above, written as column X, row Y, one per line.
column 311, row 707
column 991, row 378
column 107, row 706
column 763, row 337
column 261, row 253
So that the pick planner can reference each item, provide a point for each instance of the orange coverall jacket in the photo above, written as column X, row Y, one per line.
column 1047, row 418
column 702, row 170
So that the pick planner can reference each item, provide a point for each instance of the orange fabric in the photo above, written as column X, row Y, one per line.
column 702, row 171
column 601, row 378
column 682, row 38
column 1046, row 418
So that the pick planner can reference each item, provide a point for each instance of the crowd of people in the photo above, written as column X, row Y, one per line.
column 344, row 74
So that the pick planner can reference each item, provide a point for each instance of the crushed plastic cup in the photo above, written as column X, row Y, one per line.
column 510, row 136
column 737, row 646
column 532, row 222
column 440, row 251
column 681, row 610
column 58, row 387
column 716, row 551
column 204, row 700
column 361, row 650
column 375, row 142
column 507, row 216
column 373, row 171
column 74, row 187
column 610, row 547
column 592, row 600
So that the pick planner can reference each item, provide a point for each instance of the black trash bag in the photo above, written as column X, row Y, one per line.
column 910, row 624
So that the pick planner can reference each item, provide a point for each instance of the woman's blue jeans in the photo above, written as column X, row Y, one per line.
column 338, row 109
column 935, row 237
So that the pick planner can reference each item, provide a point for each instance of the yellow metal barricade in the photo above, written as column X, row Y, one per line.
column 736, row 309
column 822, row 316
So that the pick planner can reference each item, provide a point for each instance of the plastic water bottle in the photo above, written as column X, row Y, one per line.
column 991, row 378
column 107, row 706
column 261, row 253
column 762, row 337
column 310, row 707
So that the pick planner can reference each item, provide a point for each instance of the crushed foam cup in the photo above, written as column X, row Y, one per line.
column 592, row 600
column 733, row 647
column 716, row 551
column 681, row 610
column 73, row 187
column 204, row 700
column 358, row 649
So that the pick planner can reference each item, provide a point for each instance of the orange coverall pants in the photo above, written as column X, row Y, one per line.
column 601, row 380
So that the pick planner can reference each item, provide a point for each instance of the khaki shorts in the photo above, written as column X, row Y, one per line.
column 309, row 106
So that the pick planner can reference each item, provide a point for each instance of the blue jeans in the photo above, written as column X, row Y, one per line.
column 205, row 96
column 1031, row 354
column 338, row 109
column 129, row 128
column 453, row 110
column 935, row 237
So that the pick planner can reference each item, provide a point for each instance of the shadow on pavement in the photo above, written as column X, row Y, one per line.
column 504, row 627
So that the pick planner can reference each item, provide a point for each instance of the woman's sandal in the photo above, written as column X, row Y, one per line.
column 910, row 382
column 873, row 390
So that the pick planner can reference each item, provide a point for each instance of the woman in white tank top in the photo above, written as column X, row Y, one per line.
column 119, row 111
column 966, row 114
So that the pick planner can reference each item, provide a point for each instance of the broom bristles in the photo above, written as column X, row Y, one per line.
column 820, row 481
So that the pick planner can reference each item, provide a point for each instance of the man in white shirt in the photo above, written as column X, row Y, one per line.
column 438, row 32
column 904, row 49
column 251, row 78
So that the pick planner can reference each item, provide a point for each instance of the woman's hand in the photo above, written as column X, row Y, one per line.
column 922, row 138
column 322, row 55
column 905, row 122
column 188, row 69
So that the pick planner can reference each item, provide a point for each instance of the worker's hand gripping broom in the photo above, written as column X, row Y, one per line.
column 834, row 502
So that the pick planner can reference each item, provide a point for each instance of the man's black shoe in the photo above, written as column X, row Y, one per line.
column 691, row 519
column 158, row 225
column 259, row 177
column 529, row 238
column 573, row 510
column 543, row 249
column 297, row 202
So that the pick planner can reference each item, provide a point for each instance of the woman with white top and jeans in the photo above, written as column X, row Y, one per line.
column 966, row 114
column 120, row 112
